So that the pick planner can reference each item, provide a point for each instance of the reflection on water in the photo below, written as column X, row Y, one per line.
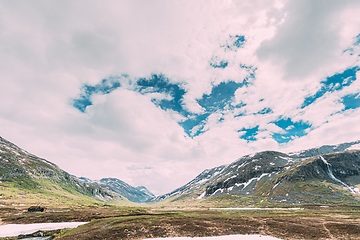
column 12, row 230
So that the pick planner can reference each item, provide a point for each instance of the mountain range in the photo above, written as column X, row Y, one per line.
column 323, row 175
column 22, row 173
column 328, row 174
column 134, row 194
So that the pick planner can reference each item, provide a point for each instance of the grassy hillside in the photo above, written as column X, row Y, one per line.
column 48, row 193
column 27, row 179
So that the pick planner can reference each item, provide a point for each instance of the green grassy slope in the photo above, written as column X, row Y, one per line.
column 28, row 179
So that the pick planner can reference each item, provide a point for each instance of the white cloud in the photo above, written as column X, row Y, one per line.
column 50, row 49
column 309, row 40
column 335, row 131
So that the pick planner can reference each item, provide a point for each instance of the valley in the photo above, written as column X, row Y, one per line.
column 114, row 222
column 312, row 194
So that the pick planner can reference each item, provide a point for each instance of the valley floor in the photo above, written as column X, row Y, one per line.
column 119, row 222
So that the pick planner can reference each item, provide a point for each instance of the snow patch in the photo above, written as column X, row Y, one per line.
column 351, row 189
column 218, row 190
column 289, row 159
column 12, row 230
column 202, row 195
column 202, row 181
column 17, row 153
column 354, row 147
column 250, row 180
column 276, row 185
column 250, row 155
column 230, row 178
column 242, row 165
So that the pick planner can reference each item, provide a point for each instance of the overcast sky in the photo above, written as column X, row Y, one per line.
column 154, row 92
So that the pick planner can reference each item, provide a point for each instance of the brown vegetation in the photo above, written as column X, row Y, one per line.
column 137, row 223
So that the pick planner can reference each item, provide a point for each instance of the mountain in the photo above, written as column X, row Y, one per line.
column 303, row 177
column 145, row 191
column 327, row 149
column 24, row 175
column 134, row 194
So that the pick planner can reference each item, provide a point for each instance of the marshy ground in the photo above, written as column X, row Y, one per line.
column 119, row 222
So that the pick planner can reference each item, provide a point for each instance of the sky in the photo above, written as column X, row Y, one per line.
column 154, row 92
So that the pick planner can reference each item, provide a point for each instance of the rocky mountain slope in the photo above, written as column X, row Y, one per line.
column 302, row 177
column 134, row 194
column 25, row 171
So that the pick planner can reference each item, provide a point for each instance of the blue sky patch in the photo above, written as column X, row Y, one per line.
column 351, row 101
column 356, row 43
column 250, row 69
column 104, row 87
column 333, row 83
column 220, row 96
column 239, row 40
column 292, row 129
column 190, row 123
column 160, row 84
column 357, row 38
column 250, row 133
column 241, row 114
column 234, row 42
column 265, row 111
column 81, row 103
column 219, row 64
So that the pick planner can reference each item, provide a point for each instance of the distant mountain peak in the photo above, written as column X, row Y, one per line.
column 134, row 194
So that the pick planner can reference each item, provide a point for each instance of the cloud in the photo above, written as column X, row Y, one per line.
column 155, row 92
column 336, row 130
column 308, row 40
